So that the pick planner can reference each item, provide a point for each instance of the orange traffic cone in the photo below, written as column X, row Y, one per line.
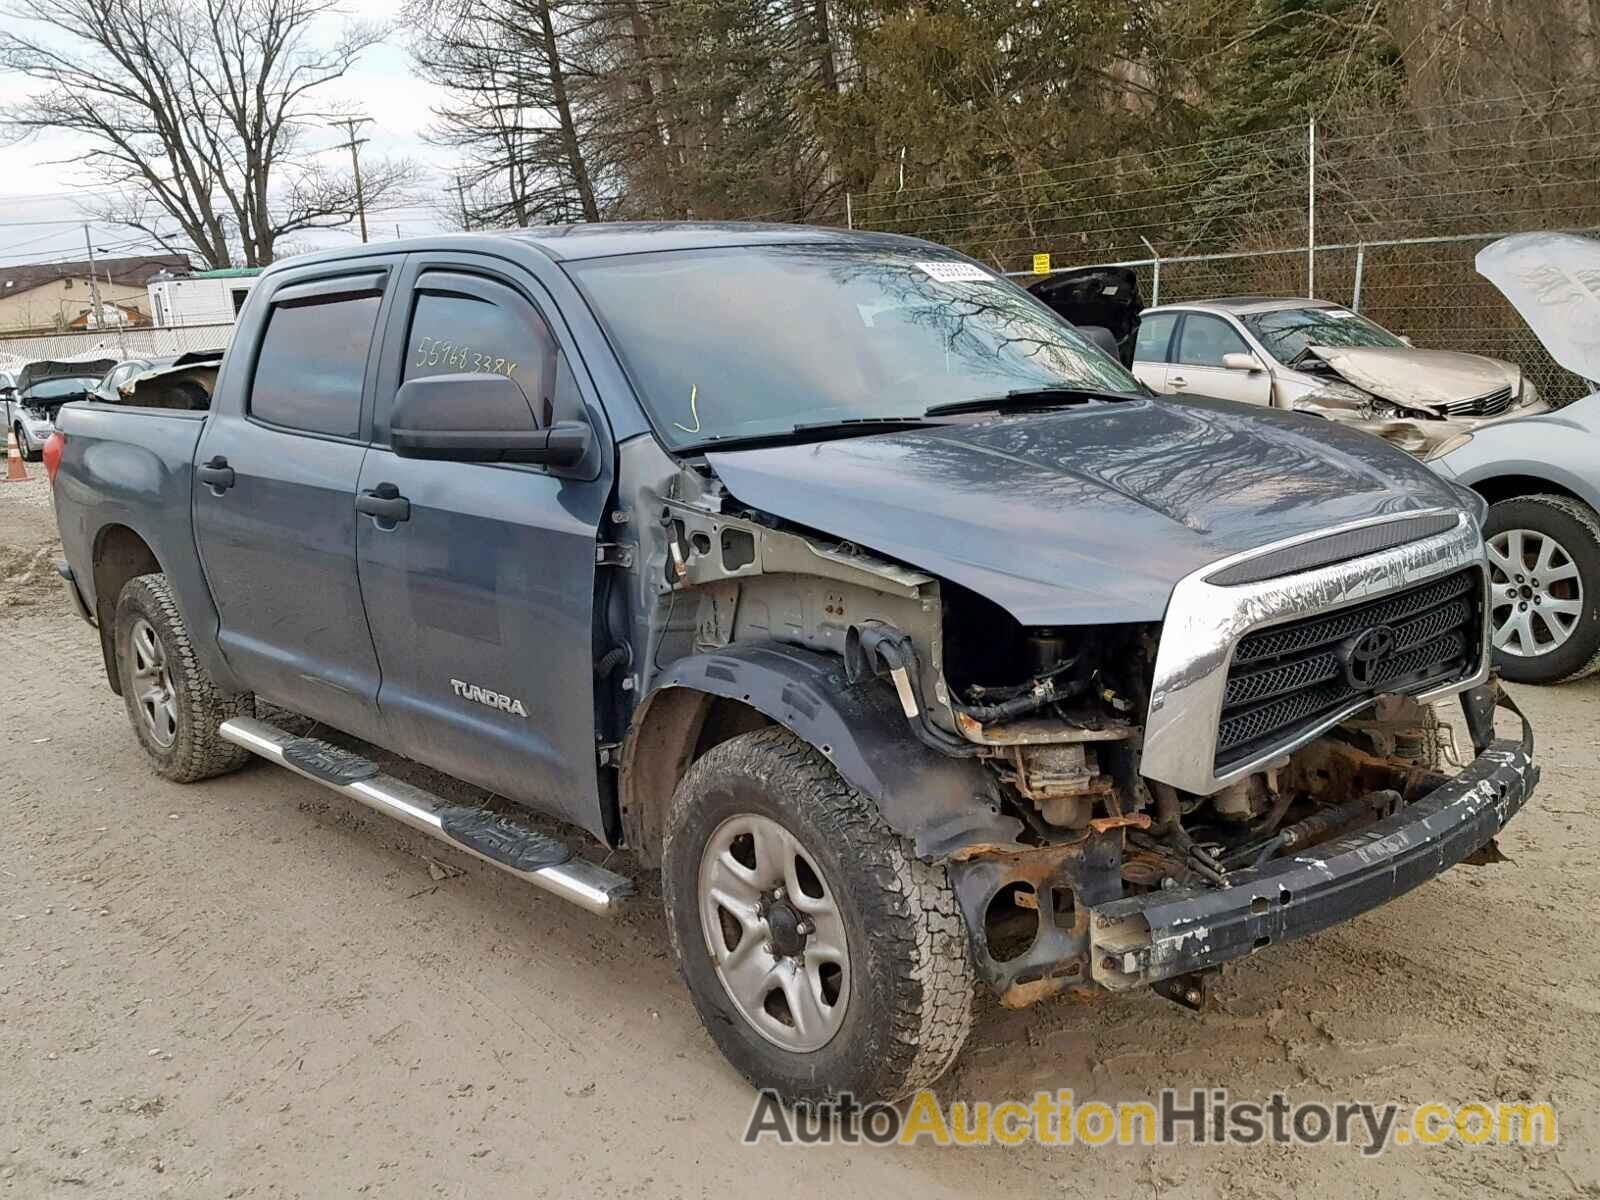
column 15, row 471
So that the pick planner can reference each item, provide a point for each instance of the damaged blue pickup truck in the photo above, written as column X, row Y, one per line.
column 917, row 644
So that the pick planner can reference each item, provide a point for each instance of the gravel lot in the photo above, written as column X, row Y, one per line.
column 251, row 987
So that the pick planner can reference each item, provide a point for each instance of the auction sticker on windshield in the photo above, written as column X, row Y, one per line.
column 955, row 272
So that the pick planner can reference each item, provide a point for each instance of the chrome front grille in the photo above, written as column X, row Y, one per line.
column 1288, row 677
column 1490, row 404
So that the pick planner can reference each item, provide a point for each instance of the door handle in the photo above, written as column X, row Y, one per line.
column 216, row 474
column 384, row 503
column 1177, row 381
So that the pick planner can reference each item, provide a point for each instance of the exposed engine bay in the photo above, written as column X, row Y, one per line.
column 1053, row 715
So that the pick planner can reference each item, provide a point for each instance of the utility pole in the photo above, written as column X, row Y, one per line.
column 461, row 194
column 122, row 342
column 94, row 283
column 350, row 125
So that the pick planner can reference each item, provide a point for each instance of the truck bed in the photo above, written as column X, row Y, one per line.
column 130, row 470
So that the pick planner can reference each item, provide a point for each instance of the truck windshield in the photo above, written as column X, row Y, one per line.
column 749, row 342
column 1286, row 332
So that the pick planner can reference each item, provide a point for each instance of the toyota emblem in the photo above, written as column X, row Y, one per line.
column 1363, row 654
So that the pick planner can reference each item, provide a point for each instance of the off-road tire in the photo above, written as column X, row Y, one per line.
column 1576, row 527
column 911, row 975
column 197, row 752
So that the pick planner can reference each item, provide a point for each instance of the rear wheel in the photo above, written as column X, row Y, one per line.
column 1544, row 588
column 173, row 704
column 823, row 957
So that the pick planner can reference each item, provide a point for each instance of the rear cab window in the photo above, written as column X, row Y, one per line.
column 312, row 365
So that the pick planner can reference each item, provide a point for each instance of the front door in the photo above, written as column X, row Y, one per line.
column 481, row 600
column 1197, row 368
column 274, row 499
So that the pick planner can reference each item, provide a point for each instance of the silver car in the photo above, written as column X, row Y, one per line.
column 1318, row 357
column 29, row 425
column 1542, row 475
column 39, row 390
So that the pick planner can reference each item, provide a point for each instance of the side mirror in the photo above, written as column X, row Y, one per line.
column 479, row 418
column 8, row 393
column 1405, row 339
column 1241, row 361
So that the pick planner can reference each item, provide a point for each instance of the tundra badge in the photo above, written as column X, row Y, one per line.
column 471, row 691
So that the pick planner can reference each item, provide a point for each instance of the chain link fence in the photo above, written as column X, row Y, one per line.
column 1397, row 205
column 1425, row 289
column 116, row 343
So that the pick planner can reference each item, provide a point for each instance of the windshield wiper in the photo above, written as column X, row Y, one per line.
column 809, row 431
column 1030, row 398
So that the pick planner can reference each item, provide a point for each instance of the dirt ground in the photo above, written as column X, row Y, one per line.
column 251, row 987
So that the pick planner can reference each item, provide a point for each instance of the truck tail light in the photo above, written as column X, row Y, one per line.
column 53, row 446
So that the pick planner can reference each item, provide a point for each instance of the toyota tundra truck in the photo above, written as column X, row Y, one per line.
column 917, row 645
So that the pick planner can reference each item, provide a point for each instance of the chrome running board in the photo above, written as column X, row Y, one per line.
column 501, row 841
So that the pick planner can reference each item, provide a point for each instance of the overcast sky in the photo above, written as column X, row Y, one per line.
column 40, row 213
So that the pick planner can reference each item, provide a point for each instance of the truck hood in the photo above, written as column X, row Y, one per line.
column 1424, row 379
column 1087, row 515
column 1553, row 280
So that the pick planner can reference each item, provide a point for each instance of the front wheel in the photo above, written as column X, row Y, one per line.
column 172, row 702
column 1544, row 588
column 28, row 454
column 824, row 958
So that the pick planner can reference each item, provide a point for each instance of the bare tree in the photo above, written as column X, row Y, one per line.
column 511, row 113
column 196, row 112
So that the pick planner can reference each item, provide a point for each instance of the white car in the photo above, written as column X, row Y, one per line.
column 1318, row 357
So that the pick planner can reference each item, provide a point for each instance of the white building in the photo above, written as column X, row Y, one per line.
column 200, row 298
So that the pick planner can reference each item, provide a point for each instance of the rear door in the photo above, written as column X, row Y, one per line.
column 1197, row 370
column 1150, row 349
column 274, row 493
column 481, row 600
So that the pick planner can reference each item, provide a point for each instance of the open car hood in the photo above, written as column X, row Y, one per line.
column 68, row 368
column 1084, row 515
column 1553, row 281
column 1426, row 379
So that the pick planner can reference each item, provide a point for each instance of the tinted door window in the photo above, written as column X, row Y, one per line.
column 1205, row 339
column 313, row 360
column 1155, row 334
column 464, row 324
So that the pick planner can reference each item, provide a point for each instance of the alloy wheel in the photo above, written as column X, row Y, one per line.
column 1535, row 592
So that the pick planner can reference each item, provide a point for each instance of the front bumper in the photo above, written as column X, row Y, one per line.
column 1090, row 933
column 1145, row 939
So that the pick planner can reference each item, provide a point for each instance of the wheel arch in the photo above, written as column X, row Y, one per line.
column 120, row 551
column 119, row 554
column 937, row 802
column 1511, row 486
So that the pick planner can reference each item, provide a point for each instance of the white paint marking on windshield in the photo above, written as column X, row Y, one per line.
column 956, row 272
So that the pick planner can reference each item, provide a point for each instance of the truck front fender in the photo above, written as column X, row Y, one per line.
column 938, row 803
